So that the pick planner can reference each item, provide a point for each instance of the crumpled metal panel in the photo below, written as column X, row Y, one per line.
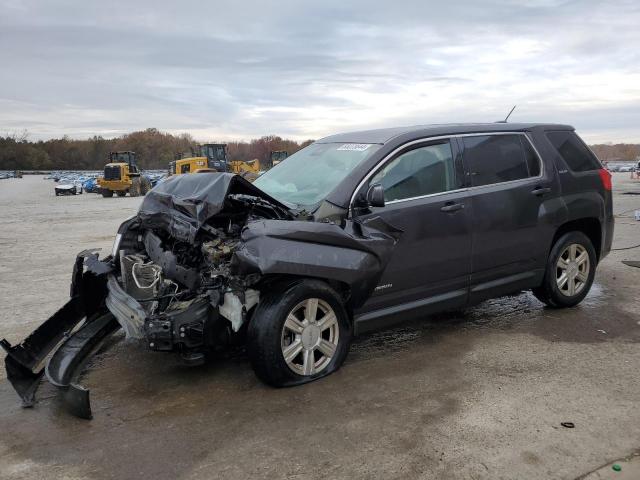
column 183, row 203
column 355, row 254
column 126, row 309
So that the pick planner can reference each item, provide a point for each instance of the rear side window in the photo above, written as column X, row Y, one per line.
column 573, row 151
column 499, row 158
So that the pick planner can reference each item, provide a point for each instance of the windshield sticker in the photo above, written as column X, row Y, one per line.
column 355, row 147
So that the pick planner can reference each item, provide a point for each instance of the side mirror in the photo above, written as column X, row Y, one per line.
column 375, row 195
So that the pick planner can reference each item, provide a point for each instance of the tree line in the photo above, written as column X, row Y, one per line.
column 154, row 149
column 619, row 151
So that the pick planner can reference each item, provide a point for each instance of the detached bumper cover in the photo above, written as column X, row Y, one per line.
column 24, row 361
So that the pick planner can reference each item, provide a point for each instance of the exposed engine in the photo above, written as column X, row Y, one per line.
column 183, row 296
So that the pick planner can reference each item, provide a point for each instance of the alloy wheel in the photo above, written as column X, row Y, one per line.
column 572, row 270
column 310, row 337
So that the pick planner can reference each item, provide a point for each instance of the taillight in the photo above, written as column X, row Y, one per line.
column 605, row 176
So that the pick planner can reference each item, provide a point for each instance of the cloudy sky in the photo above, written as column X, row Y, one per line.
column 302, row 69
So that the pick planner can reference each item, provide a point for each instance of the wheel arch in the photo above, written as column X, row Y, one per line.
column 590, row 226
column 282, row 281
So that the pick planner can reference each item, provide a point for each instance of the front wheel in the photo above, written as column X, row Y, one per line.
column 570, row 270
column 134, row 189
column 106, row 193
column 298, row 334
column 145, row 185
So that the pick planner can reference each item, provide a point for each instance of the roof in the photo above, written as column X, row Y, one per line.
column 384, row 135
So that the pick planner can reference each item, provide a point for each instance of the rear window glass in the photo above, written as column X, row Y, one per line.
column 573, row 151
column 498, row 158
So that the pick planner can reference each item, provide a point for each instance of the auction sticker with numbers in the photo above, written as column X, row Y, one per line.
column 355, row 147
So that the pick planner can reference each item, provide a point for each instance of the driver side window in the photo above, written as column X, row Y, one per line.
column 421, row 171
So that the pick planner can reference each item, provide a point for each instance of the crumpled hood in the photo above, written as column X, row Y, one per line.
column 183, row 203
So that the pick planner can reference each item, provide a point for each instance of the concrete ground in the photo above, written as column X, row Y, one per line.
column 479, row 394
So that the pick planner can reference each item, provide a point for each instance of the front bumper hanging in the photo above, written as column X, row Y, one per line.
column 70, row 348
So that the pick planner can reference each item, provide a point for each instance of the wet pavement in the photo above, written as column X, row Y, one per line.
column 475, row 394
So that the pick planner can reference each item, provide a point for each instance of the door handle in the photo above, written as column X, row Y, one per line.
column 452, row 207
column 539, row 191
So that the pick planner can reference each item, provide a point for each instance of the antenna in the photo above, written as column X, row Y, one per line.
column 507, row 117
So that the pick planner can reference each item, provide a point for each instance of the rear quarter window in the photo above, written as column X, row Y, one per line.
column 573, row 151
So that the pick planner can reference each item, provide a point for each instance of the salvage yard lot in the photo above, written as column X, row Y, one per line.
column 474, row 394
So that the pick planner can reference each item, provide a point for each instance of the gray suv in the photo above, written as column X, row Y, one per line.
column 355, row 232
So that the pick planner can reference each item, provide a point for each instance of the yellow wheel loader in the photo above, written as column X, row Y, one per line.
column 210, row 157
column 122, row 176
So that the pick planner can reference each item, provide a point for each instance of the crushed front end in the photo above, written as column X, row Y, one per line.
column 173, row 284
column 185, row 275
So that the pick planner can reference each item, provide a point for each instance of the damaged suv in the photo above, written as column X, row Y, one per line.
column 352, row 233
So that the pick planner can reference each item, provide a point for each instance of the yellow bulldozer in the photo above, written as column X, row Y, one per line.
column 253, row 168
column 209, row 157
column 122, row 176
column 249, row 170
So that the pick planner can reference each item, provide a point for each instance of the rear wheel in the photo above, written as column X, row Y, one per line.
column 570, row 270
column 298, row 334
column 106, row 193
column 121, row 193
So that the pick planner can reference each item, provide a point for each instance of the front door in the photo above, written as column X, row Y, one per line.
column 430, row 266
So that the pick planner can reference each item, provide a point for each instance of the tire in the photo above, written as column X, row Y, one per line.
column 121, row 193
column 106, row 193
column 145, row 185
column 134, row 190
column 268, row 338
column 571, row 247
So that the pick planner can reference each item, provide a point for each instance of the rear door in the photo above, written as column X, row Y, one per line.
column 430, row 265
column 509, row 186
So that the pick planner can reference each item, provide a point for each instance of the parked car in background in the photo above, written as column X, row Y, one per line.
column 71, row 188
column 90, row 185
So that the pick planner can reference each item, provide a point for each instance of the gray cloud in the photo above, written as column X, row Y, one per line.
column 230, row 69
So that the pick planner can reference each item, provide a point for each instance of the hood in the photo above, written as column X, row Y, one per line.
column 182, row 204
column 65, row 186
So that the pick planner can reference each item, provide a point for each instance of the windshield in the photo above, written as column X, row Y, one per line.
column 120, row 157
column 307, row 177
column 215, row 152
